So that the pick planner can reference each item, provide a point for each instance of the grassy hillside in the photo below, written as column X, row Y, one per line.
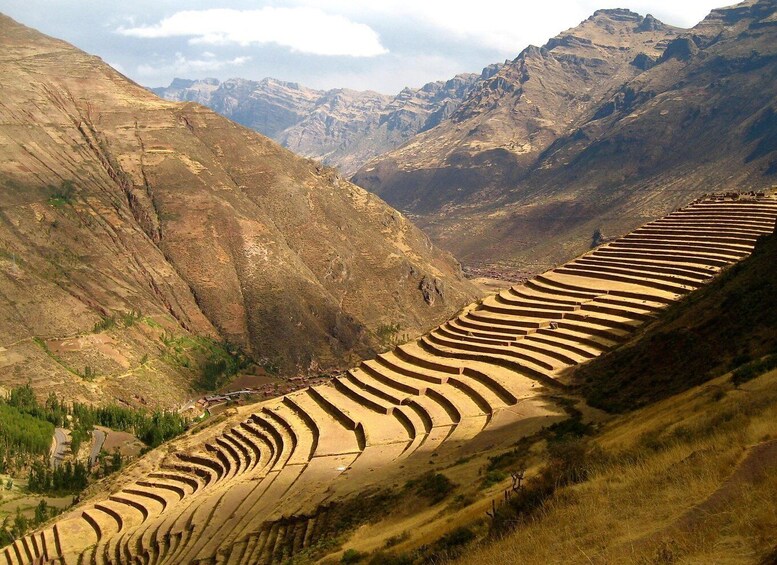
column 686, row 480
column 727, row 324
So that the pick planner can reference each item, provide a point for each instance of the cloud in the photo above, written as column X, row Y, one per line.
column 507, row 25
column 388, row 75
column 182, row 66
column 302, row 29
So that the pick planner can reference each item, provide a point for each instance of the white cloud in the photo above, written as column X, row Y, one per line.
column 304, row 29
column 182, row 66
column 509, row 25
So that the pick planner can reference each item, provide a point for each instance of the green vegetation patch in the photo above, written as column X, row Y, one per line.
column 435, row 487
column 123, row 319
column 68, row 478
column 152, row 428
column 388, row 334
column 62, row 195
column 20, row 432
column 218, row 361
column 27, row 426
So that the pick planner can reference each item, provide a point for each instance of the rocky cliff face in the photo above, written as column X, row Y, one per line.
column 342, row 128
column 608, row 125
column 268, row 106
column 507, row 121
column 116, row 202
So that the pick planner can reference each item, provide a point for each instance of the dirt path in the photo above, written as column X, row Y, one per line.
column 761, row 459
column 58, row 447
column 98, row 439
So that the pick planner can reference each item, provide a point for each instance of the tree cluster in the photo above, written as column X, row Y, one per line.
column 27, row 426
column 66, row 478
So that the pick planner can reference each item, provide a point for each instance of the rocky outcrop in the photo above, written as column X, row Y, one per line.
column 118, row 206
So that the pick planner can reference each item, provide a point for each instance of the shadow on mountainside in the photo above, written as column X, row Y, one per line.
column 719, row 328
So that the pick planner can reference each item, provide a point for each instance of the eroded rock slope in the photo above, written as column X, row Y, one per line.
column 115, row 201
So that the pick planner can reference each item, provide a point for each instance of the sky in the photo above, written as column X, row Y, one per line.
column 382, row 45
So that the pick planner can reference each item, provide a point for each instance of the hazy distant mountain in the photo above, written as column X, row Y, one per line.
column 612, row 123
column 115, row 201
column 341, row 127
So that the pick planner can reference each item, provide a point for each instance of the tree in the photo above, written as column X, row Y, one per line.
column 19, row 523
column 6, row 538
column 41, row 512
column 116, row 460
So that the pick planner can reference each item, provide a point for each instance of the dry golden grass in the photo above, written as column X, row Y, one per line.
column 645, row 502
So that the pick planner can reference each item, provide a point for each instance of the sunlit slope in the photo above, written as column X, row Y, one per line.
column 116, row 201
column 226, row 493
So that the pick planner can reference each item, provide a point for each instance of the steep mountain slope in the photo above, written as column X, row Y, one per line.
column 268, row 106
column 267, row 482
column 608, row 125
column 341, row 127
column 115, row 201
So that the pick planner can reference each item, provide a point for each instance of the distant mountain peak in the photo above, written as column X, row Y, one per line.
column 649, row 23
column 621, row 14
column 621, row 108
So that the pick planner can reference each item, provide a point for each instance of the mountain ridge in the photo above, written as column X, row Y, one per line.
column 340, row 126
column 118, row 204
column 540, row 151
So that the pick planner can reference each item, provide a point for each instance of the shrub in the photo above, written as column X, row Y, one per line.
column 58, row 197
column 104, row 324
column 754, row 369
column 129, row 318
column 431, row 485
column 462, row 501
column 570, row 462
column 352, row 556
column 460, row 536
column 396, row 540
column 381, row 558
column 492, row 478
column 388, row 333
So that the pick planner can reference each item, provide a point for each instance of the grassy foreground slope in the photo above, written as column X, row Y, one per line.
column 689, row 479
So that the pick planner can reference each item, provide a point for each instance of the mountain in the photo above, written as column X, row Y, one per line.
column 341, row 127
column 269, row 106
column 608, row 125
column 140, row 236
column 409, row 451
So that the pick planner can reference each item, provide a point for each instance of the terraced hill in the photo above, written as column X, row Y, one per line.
column 254, row 488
